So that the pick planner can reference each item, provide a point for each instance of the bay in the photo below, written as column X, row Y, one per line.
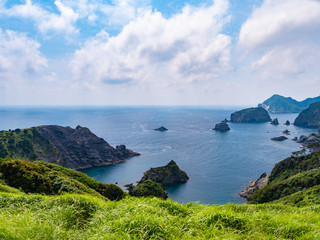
column 219, row 165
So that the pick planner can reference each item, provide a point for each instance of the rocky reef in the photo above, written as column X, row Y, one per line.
column 310, row 117
column 305, row 141
column 71, row 148
column 279, row 139
column 254, row 186
column 168, row 174
column 250, row 115
column 222, row 127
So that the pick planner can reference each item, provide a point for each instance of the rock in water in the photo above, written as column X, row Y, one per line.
column 281, row 138
column 254, row 186
column 275, row 121
column 222, row 127
column 168, row 174
column 286, row 132
column 79, row 148
column 161, row 129
column 250, row 115
column 287, row 123
column 309, row 117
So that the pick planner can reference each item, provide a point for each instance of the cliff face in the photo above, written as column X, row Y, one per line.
column 71, row 148
column 250, row 115
column 309, row 117
column 168, row 174
column 280, row 104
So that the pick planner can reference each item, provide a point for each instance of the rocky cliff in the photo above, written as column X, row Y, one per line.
column 309, row 117
column 168, row 174
column 250, row 115
column 72, row 148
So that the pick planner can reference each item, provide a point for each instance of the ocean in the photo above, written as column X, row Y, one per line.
column 219, row 165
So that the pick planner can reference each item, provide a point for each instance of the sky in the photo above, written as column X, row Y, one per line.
column 158, row 52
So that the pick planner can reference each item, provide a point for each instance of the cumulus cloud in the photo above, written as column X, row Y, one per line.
column 281, row 38
column 45, row 20
column 20, row 57
column 280, row 22
column 187, row 47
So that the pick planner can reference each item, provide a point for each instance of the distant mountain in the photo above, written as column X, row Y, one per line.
column 280, row 104
column 309, row 117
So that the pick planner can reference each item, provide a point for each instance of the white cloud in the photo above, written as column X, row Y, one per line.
column 280, row 40
column 187, row 47
column 281, row 21
column 20, row 57
column 45, row 20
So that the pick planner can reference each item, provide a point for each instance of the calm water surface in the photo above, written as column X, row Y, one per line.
column 219, row 165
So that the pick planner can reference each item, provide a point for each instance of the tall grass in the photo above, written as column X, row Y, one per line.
column 72, row 216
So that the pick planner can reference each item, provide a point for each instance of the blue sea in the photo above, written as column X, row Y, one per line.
column 219, row 165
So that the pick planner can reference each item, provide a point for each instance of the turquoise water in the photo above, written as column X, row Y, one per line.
column 219, row 165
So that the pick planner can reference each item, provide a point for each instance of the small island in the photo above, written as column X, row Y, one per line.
column 168, row 174
column 250, row 115
column 222, row 127
column 161, row 129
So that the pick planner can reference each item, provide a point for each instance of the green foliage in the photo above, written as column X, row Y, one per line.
column 51, row 179
column 25, row 144
column 293, row 180
column 148, row 188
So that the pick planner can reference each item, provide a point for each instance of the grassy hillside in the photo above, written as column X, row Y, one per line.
column 45, row 201
column 51, row 179
column 72, row 216
column 295, row 180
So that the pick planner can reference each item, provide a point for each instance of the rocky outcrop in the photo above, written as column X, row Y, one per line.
column 310, row 117
column 286, row 132
column 278, row 139
column 79, row 148
column 168, row 174
column 254, row 186
column 305, row 141
column 161, row 129
column 280, row 104
column 250, row 115
column 275, row 122
column 287, row 123
column 222, row 127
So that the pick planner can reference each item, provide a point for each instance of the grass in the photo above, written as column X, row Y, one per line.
column 72, row 216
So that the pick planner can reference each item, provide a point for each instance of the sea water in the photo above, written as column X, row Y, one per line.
column 219, row 164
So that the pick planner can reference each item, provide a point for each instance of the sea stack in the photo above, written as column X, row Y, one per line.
column 275, row 122
column 168, row 174
column 222, row 127
column 287, row 123
column 250, row 115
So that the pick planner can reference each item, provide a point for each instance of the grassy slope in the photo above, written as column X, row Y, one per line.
column 295, row 180
column 73, row 216
column 51, row 179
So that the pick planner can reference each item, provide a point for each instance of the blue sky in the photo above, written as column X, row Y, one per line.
column 131, row 52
